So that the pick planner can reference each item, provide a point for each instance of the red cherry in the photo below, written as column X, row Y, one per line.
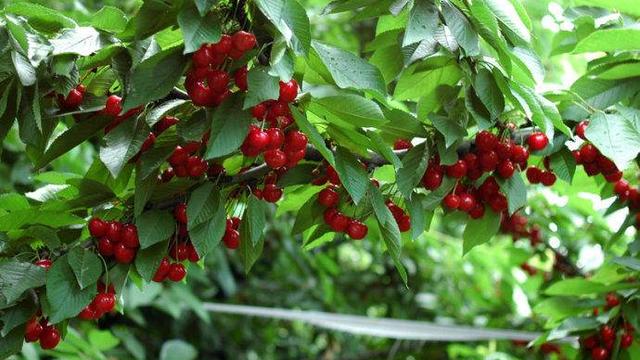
column 537, row 141
column 581, row 128
column 240, row 78
column 177, row 272
column 165, row 123
column 457, row 170
column 590, row 342
column 102, row 288
column 329, row 197
column 235, row 222
column 404, row 223
column 402, row 144
column 432, row 179
column 97, row 227
column 451, row 201
column 271, row 193
column 114, row 231
column 130, row 236
column 218, row 81
column 339, row 222
column 614, row 177
column 73, row 99
column 88, row 313
column 599, row 353
column 192, row 147
column 477, row 212
column 606, row 166
column 294, row 157
column 612, row 300
column 295, row 140
column 44, row 263
column 288, row 90
column 588, row 153
column 123, row 254
column 626, row 340
column 534, row 175
column 486, row 141
column 243, row 41
column 196, row 166
column 621, row 187
column 489, row 161
column 504, row 149
column 162, row 271
column 357, row 230
column 178, row 157
column 104, row 302
column 498, row 203
column 49, row 338
column 259, row 111
column 257, row 139
column 113, row 106
column 276, row 138
column 275, row 159
column 180, row 213
column 193, row 253
column 223, row 46
column 105, row 246
column 33, row 330
column 148, row 142
column 231, row 239
column 328, row 215
column 506, row 169
column 467, row 202
column 607, row 333
column 201, row 94
column 179, row 251
column 519, row 154
column 202, row 57
column 548, row 178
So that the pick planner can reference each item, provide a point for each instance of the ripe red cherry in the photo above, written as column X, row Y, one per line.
column 114, row 231
column 288, row 91
column 581, row 128
column 612, row 300
column 88, row 313
column 467, row 202
column 432, row 179
column 44, row 263
column 275, row 159
column 148, row 142
column 477, row 212
column 451, row 201
column 178, row 157
column 113, row 106
column 201, row 94
column 123, row 254
column 606, row 166
column 49, row 338
column 519, row 154
column 74, row 99
column 202, row 57
column 339, row 222
column 257, row 139
column 162, row 271
column 613, row 177
column 607, row 333
column 196, row 166
column 357, row 230
column 276, row 138
column 165, row 123
column 537, row 141
column 130, row 236
column 534, row 175
column 588, row 153
column 218, row 81
column 626, row 340
column 294, row 157
column 457, row 170
column 180, row 213
column 486, row 141
column 243, row 40
column 621, row 187
column 548, row 178
column 33, row 330
column 223, row 46
column 506, row 169
column 328, row 197
column 259, row 111
column 599, row 353
column 404, row 223
column 177, row 272
column 402, row 144
column 231, row 239
column 179, row 251
column 295, row 140
column 105, row 246
column 97, row 227
column 271, row 193
column 104, row 302
column 328, row 215
column 193, row 253
column 504, row 149
column 240, row 78
column 489, row 161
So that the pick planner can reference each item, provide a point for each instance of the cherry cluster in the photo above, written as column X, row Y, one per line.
column 629, row 196
column 270, row 191
column 103, row 302
column 402, row 218
column 207, row 82
column 185, row 161
column 329, row 197
column 74, row 99
column 592, row 160
column 115, row 239
column 40, row 330
column 113, row 108
column 600, row 345
column 231, row 238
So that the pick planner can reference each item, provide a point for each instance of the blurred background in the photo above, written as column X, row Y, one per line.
column 488, row 287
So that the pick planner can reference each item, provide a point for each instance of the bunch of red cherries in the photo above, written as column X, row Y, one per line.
column 115, row 239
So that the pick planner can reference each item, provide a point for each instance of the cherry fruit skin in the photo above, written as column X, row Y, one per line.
column 177, row 272
column 486, row 141
column 97, row 228
column 44, row 263
column 339, row 222
column 231, row 239
column 402, row 144
column 276, row 138
column 451, row 201
column 114, row 231
column 33, row 330
column 113, row 105
column 180, row 213
column 534, row 175
column 49, row 338
column 130, row 236
column 581, row 128
column 607, row 333
column 457, row 170
column 288, row 90
column 357, row 230
column 104, row 302
column 328, row 197
column 612, row 300
column 243, row 41
column 599, row 353
column 404, row 223
column 626, row 340
column 537, row 141
column 275, row 159
column 162, row 271
column 240, row 78
column 123, row 254
column 506, row 169
column 296, row 140
column 271, row 193
column 105, row 246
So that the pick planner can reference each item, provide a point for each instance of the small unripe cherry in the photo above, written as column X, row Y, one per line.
column 537, row 141
column 177, row 272
column 288, row 91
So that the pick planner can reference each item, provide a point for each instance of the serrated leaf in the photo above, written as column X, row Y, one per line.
column 65, row 297
column 480, row 231
column 617, row 137
column 110, row 19
column 461, row 29
column 506, row 13
column 384, row 149
column 449, row 127
column 353, row 109
column 251, row 232
column 16, row 277
column 262, row 87
column 422, row 23
column 290, row 18
column 563, row 165
column 515, row 190
column 16, row 316
column 206, row 218
column 414, row 164
column 488, row 92
column 82, row 40
column 157, row 113
column 122, row 144
column 314, row 136
column 143, row 190
column 86, row 266
column 148, row 260
column 198, row 30
column 434, row 198
column 420, row 217
column 353, row 176
column 154, row 226
column 230, row 125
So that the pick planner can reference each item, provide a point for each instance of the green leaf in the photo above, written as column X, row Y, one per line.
column 314, row 136
column 307, row 216
column 198, row 30
column 65, row 297
column 420, row 218
column 154, row 77
column 506, row 14
column 353, row 109
column 563, row 165
column 207, row 218
column 82, row 40
column 26, row 72
column 352, row 174
column 461, row 29
column 154, row 226
column 290, row 18
column 229, row 128
column 204, row 6
column 109, row 19
column 573, row 287
column 610, row 40
column 16, row 277
column 422, row 23
column 423, row 85
column 515, row 191
column 349, row 70
column 434, row 198
column 414, row 164
column 11, row 343
column 122, row 144
column 251, row 232
column 617, row 137
column 144, row 188
column 480, row 231
column 157, row 113
column 489, row 93
column 178, row 350
column 41, row 17
column 450, row 127
column 17, row 315
column 54, row 219
column 262, row 87
column 86, row 266
column 599, row 94
column 571, row 325
column 626, row 6
column 388, row 229
column 384, row 149
column 151, row 18
column 148, row 260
